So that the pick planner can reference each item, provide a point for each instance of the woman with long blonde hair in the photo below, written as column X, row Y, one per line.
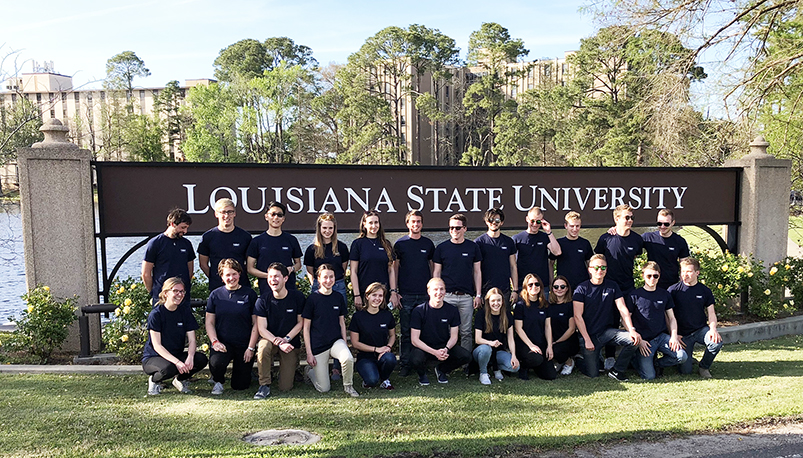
column 493, row 334
column 327, row 249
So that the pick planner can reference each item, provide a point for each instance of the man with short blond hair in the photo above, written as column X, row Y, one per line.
column 223, row 242
column 666, row 248
column 621, row 248
column 534, row 246
column 575, row 251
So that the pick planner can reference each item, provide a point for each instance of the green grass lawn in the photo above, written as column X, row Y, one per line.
column 88, row 416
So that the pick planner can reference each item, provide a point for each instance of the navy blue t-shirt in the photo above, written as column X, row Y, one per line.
column 267, row 249
column 435, row 324
column 374, row 329
column 172, row 328
column 233, row 311
column 559, row 315
column 599, row 304
column 533, row 320
column 533, row 255
column 282, row 314
column 414, row 256
column 328, row 258
column 497, row 333
column 648, row 311
column 495, row 264
column 620, row 254
column 666, row 252
column 219, row 245
column 324, row 311
column 373, row 262
column 457, row 265
column 170, row 258
column 691, row 306
column 572, row 260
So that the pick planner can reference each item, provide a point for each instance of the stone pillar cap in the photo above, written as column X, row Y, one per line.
column 55, row 135
column 758, row 148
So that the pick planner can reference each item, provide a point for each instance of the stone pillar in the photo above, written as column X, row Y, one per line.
column 764, row 206
column 58, row 221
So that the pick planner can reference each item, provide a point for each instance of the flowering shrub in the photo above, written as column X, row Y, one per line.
column 44, row 324
column 127, row 331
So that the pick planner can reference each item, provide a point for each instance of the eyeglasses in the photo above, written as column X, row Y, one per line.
column 559, row 286
column 652, row 276
column 533, row 284
column 276, row 215
column 602, row 268
column 456, row 228
column 663, row 224
column 179, row 292
column 227, row 212
column 495, row 220
column 629, row 217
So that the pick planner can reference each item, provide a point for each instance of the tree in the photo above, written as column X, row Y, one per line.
column 249, row 58
column 212, row 114
column 20, row 123
column 167, row 107
column 121, row 70
column 143, row 138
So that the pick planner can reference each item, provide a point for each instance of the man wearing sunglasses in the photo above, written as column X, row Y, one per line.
column 498, row 264
column 534, row 246
column 596, row 302
column 457, row 262
column 621, row 248
column 651, row 309
column 666, row 248
column 271, row 246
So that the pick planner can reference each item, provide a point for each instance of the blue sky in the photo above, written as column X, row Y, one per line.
column 179, row 39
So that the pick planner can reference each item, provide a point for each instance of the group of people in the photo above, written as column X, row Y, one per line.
column 534, row 302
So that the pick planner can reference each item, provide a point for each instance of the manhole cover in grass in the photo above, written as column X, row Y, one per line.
column 282, row 437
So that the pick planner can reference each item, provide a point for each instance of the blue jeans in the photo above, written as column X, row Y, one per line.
column 590, row 364
column 660, row 344
column 374, row 371
column 483, row 355
column 338, row 287
column 711, row 349
column 408, row 303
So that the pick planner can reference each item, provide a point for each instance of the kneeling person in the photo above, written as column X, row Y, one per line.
column 434, row 329
column 278, row 313
column 373, row 333
column 651, row 309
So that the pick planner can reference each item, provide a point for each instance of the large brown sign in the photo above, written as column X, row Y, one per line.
column 134, row 198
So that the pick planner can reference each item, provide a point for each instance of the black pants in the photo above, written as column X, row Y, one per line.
column 458, row 356
column 240, row 372
column 566, row 349
column 532, row 360
column 162, row 369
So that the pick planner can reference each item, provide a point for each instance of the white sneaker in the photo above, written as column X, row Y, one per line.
column 485, row 379
column 153, row 387
column 498, row 375
column 183, row 386
column 349, row 389
column 218, row 388
column 609, row 362
column 567, row 369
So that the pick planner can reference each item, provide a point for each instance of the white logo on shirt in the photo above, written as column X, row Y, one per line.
column 560, row 314
column 579, row 251
column 285, row 247
column 381, row 249
column 241, row 302
column 183, row 250
column 235, row 244
column 180, row 323
column 290, row 310
column 630, row 248
column 423, row 251
column 337, row 307
column 383, row 325
column 540, row 243
column 464, row 254
column 671, row 248
column 504, row 248
column 444, row 320
column 699, row 297
column 659, row 302
column 604, row 294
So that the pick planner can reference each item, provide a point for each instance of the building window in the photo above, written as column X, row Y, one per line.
column 63, row 96
column 38, row 97
column 52, row 113
column 447, row 92
column 102, row 95
column 13, row 98
column 513, row 91
column 77, row 97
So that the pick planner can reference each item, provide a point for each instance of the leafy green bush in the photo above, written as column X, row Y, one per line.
column 44, row 324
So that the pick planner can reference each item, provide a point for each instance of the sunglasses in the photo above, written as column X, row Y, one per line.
column 456, row 228
column 652, row 276
column 559, row 286
column 663, row 224
column 602, row 268
column 495, row 220
column 533, row 284
column 535, row 221
column 277, row 215
column 629, row 218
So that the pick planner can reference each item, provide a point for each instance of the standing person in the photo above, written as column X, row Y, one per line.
column 651, row 309
column 371, row 259
column 666, row 248
column 325, row 333
column 169, row 325
column 231, row 327
column 413, row 269
column 575, row 251
column 621, row 248
column 534, row 345
column 696, row 317
column 560, row 318
column 457, row 262
column 327, row 249
column 498, row 264
column 279, row 324
column 373, row 333
column 434, row 331
column 274, row 245
column 169, row 255
column 225, row 241
column 534, row 246
column 493, row 334
column 595, row 303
